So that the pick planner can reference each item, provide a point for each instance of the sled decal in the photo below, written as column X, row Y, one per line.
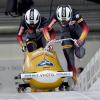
column 45, row 63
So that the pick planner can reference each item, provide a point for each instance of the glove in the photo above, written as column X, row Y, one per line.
column 24, row 49
column 78, row 42
column 51, row 42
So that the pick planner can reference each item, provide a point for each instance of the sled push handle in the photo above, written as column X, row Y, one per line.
column 50, row 43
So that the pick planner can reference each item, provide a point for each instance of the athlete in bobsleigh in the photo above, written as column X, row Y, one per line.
column 30, row 24
column 72, row 26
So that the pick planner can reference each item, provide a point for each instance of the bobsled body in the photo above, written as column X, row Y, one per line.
column 45, row 63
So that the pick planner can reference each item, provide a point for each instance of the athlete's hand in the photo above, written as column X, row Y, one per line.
column 24, row 49
column 78, row 42
column 51, row 42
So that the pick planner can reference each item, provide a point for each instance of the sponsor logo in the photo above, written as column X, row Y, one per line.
column 45, row 74
column 45, row 63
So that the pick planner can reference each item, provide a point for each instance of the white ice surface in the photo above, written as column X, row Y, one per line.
column 71, row 95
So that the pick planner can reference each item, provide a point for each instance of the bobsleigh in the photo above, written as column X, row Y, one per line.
column 42, row 70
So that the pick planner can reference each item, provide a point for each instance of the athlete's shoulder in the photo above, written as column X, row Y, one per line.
column 22, row 21
column 76, row 14
column 55, row 16
column 43, row 18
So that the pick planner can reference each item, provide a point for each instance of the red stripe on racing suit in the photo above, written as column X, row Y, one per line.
column 85, row 30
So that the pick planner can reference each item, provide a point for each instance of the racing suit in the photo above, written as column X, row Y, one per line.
column 77, row 29
column 33, row 38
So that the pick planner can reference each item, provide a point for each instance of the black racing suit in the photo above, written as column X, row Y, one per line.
column 76, row 28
